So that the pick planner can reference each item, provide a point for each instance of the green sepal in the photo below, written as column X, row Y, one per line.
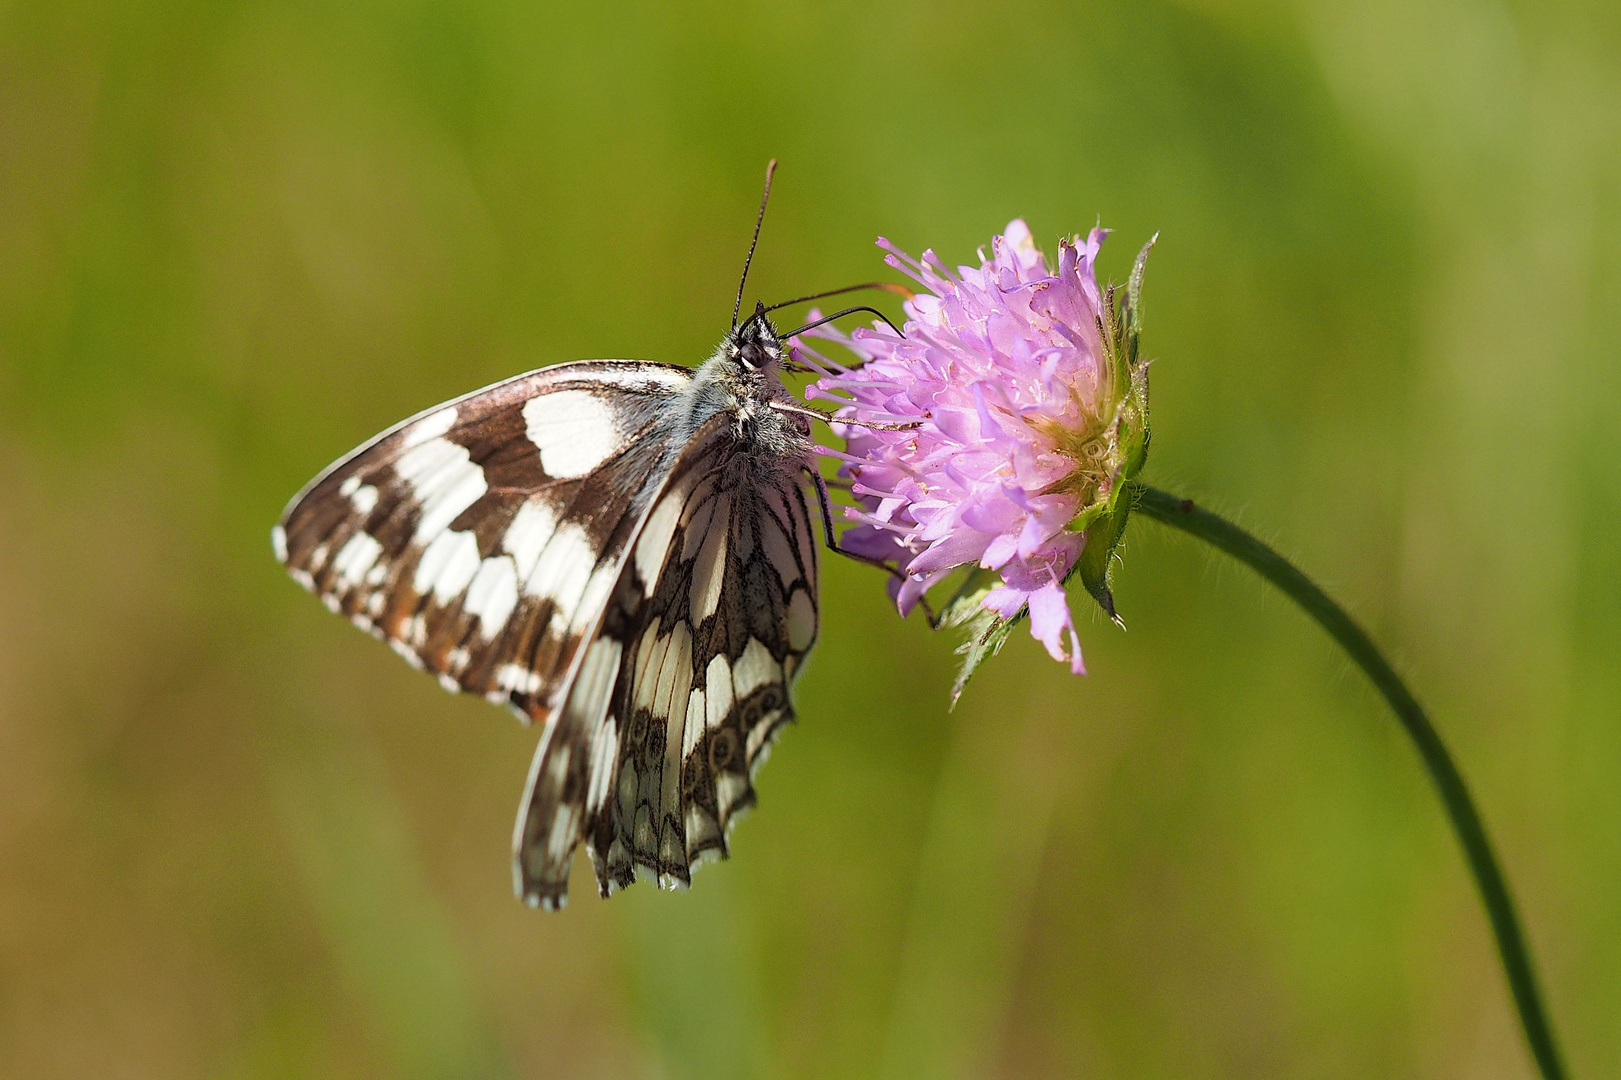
column 987, row 633
column 964, row 604
column 1134, row 297
column 1104, row 522
column 1097, row 557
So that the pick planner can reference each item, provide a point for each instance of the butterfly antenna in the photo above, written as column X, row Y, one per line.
column 887, row 286
column 771, row 167
column 841, row 314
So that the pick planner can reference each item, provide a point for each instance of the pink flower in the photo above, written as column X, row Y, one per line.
column 1011, row 375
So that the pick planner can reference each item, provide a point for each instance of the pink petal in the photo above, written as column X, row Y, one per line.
column 1049, row 622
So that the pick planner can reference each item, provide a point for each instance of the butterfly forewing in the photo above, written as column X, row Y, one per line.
column 686, row 685
column 483, row 537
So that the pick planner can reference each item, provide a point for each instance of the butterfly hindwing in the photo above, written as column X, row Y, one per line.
column 686, row 684
column 756, row 639
column 482, row 538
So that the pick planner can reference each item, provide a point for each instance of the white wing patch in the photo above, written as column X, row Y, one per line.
column 563, row 569
column 729, row 789
column 492, row 594
column 709, row 572
column 597, row 588
column 432, row 426
column 593, row 686
column 654, row 543
column 526, row 537
column 718, row 684
column 355, row 558
column 754, row 669
column 670, row 703
column 447, row 565
column 363, row 496
column 696, row 722
column 574, row 430
column 445, row 480
column 604, row 755
column 649, row 658
column 509, row 678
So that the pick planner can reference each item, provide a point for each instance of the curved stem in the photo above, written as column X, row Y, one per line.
column 1182, row 514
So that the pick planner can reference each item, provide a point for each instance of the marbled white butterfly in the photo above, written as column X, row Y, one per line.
column 623, row 552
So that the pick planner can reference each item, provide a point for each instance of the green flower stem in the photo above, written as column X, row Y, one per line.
column 1182, row 514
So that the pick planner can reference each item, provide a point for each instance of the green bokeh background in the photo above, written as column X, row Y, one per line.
column 240, row 839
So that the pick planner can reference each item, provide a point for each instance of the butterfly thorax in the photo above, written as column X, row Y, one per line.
column 743, row 379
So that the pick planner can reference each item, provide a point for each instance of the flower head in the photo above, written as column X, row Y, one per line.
column 1022, row 410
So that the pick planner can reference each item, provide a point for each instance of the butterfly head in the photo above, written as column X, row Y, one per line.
column 755, row 345
column 744, row 380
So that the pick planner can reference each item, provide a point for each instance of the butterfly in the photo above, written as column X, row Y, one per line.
column 624, row 552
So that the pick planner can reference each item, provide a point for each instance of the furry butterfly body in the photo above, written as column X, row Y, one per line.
column 621, row 551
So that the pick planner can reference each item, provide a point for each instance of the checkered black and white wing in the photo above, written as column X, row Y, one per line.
column 482, row 539
column 686, row 686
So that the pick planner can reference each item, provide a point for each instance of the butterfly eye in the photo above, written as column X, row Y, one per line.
column 754, row 356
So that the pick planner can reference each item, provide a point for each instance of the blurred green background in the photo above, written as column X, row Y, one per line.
column 240, row 839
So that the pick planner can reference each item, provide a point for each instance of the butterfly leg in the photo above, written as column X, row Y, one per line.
column 825, row 504
column 817, row 414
